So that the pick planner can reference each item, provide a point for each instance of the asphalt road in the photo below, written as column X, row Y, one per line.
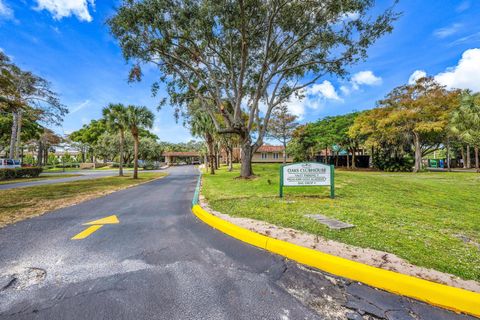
column 160, row 262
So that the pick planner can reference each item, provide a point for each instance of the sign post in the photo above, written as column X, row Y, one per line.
column 307, row 174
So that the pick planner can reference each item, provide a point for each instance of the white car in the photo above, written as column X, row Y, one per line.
column 9, row 163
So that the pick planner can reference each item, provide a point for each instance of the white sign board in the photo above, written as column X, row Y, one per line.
column 306, row 174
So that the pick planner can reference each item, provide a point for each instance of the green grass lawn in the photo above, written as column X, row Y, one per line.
column 419, row 217
column 44, row 177
column 22, row 203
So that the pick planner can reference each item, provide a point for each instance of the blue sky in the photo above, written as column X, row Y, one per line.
column 68, row 43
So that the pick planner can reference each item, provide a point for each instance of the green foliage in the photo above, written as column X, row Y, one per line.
column 115, row 116
column 52, row 159
column 28, row 159
column 67, row 158
column 465, row 121
column 327, row 133
column 31, row 130
column 282, row 125
column 89, row 133
column 385, row 161
column 191, row 145
column 224, row 53
column 16, row 173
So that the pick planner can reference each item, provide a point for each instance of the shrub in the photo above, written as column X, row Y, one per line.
column 386, row 162
column 150, row 165
column 15, row 173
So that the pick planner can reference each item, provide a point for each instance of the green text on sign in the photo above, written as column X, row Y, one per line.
column 306, row 174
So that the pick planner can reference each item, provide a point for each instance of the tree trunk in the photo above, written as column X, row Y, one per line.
column 40, row 154
column 13, row 137
column 326, row 155
column 230, row 159
column 469, row 161
column 211, row 163
column 448, row 155
column 45, row 155
column 463, row 158
column 120, row 165
column 418, row 153
column 19, row 134
column 348, row 159
column 211, row 152
column 135, row 158
column 246, row 170
column 370, row 160
column 476, row 159
column 284, row 151
column 354, row 166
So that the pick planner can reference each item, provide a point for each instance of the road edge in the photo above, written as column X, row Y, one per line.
column 440, row 295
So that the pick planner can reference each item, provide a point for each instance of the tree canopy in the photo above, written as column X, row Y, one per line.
column 235, row 56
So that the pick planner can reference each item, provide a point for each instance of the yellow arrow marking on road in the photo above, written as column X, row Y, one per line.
column 107, row 220
column 95, row 225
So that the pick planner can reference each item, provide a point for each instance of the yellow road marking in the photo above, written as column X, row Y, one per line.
column 107, row 220
column 85, row 233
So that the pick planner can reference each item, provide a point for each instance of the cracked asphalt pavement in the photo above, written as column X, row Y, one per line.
column 160, row 262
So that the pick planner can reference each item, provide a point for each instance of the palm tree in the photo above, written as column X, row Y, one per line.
column 465, row 122
column 201, row 125
column 115, row 116
column 138, row 117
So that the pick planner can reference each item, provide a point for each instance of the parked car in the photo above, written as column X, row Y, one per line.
column 10, row 163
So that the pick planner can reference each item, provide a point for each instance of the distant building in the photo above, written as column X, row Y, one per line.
column 190, row 157
column 268, row 153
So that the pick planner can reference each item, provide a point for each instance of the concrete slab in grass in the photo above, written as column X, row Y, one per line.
column 330, row 222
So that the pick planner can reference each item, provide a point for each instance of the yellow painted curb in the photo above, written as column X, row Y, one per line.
column 458, row 300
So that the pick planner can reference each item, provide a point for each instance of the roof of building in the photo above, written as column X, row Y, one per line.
column 269, row 148
column 181, row 154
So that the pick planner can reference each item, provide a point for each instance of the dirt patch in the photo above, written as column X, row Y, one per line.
column 370, row 257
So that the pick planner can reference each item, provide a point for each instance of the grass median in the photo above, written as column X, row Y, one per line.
column 40, row 178
column 429, row 219
column 19, row 204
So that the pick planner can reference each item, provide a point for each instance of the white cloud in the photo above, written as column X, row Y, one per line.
column 365, row 78
column 463, row 6
column 5, row 11
column 417, row 74
column 156, row 129
column 66, row 8
column 350, row 16
column 447, row 31
column 80, row 106
column 296, row 106
column 471, row 38
column 313, row 97
column 324, row 89
column 466, row 74
column 345, row 90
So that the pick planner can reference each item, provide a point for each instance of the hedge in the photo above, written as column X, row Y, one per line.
column 27, row 172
